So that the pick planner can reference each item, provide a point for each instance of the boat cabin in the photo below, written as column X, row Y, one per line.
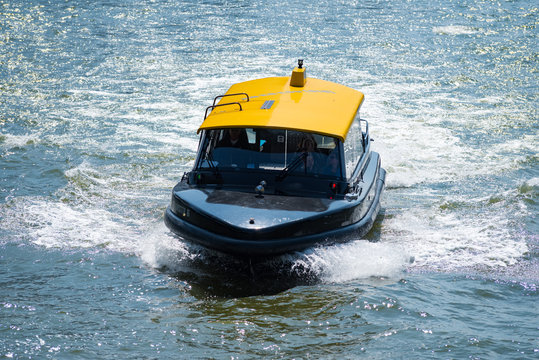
column 306, row 140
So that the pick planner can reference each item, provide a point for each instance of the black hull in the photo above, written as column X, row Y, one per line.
column 343, row 220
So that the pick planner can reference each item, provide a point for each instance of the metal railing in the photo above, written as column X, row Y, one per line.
column 225, row 95
column 214, row 106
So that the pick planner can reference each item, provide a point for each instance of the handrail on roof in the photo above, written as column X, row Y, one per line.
column 222, row 96
column 214, row 106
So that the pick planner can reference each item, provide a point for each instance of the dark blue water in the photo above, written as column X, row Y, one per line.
column 99, row 106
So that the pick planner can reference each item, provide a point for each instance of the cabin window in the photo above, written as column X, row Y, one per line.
column 353, row 146
column 271, row 149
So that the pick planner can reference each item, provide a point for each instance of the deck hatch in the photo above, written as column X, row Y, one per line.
column 267, row 104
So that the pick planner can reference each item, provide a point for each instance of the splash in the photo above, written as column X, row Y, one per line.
column 357, row 259
column 161, row 250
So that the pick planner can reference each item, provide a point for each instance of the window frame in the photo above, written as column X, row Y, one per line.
column 353, row 148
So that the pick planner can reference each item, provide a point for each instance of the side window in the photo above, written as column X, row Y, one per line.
column 353, row 146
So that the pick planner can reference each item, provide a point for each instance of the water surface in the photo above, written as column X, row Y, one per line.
column 99, row 106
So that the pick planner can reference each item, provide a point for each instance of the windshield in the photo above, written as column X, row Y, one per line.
column 271, row 149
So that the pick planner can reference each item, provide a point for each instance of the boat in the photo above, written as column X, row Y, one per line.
column 283, row 164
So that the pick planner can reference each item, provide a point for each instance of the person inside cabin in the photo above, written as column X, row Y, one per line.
column 308, row 145
column 228, row 152
column 235, row 138
column 332, row 167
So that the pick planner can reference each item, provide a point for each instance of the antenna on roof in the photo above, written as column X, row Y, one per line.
column 299, row 77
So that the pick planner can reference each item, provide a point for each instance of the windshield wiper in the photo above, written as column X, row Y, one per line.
column 292, row 166
column 209, row 157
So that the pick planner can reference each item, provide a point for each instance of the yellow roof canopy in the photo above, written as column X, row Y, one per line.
column 319, row 106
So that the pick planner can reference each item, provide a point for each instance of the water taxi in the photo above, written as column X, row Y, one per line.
column 283, row 164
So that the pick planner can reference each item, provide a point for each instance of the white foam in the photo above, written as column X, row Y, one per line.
column 417, row 142
column 357, row 259
column 338, row 263
column 159, row 249
column 455, row 30
column 60, row 225
column 111, row 184
column 418, row 147
column 447, row 242
column 159, row 105
column 91, row 174
column 100, row 93
column 428, row 156
column 10, row 141
column 533, row 182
